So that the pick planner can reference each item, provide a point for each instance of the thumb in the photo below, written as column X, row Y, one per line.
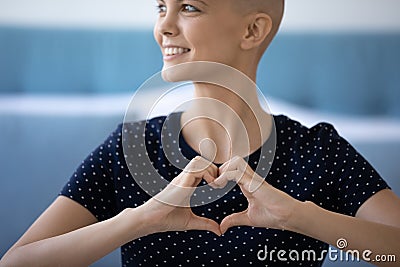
column 235, row 219
column 202, row 223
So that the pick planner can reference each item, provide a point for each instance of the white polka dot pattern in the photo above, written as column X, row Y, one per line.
column 313, row 164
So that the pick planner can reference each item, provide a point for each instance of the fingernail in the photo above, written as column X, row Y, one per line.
column 213, row 185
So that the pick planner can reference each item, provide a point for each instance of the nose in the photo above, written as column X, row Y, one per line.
column 168, row 25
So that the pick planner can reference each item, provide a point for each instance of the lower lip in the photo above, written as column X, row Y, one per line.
column 173, row 57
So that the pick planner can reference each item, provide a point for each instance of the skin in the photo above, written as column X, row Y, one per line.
column 67, row 234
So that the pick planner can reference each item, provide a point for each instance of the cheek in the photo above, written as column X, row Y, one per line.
column 156, row 34
column 220, row 39
column 206, row 41
column 216, row 47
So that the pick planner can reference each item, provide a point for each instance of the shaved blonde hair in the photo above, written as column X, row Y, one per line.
column 273, row 8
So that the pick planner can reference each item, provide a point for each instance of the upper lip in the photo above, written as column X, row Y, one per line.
column 166, row 47
column 173, row 46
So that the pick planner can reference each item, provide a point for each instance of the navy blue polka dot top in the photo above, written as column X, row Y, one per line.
column 313, row 164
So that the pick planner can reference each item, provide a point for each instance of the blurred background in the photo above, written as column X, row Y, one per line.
column 68, row 70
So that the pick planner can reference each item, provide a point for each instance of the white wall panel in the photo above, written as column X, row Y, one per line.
column 301, row 15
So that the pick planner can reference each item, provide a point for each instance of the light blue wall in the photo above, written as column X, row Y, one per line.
column 348, row 73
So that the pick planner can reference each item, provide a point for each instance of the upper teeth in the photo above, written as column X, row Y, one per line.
column 170, row 51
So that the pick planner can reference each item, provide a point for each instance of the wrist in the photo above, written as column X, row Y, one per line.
column 148, row 215
column 299, row 218
column 134, row 221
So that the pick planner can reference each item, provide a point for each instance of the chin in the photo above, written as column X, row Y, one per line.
column 179, row 72
column 195, row 71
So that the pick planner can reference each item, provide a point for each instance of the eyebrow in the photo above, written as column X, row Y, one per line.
column 204, row 3
column 180, row 1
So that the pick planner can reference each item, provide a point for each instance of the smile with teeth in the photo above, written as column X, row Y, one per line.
column 172, row 51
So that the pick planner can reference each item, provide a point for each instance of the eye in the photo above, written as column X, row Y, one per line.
column 161, row 8
column 189, row 8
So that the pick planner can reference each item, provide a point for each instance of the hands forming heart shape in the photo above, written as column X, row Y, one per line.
column 267, row 206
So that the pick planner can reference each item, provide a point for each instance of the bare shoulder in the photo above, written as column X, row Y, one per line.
column 383, row 207
column 62, row 216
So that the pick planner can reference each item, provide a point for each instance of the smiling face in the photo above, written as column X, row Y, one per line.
column 196, row 30
column 232, row 32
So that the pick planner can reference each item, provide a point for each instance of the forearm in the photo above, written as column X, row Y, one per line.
column 81, row 247
column 361, row 235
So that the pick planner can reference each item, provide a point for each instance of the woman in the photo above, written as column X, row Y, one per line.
column 319, row 189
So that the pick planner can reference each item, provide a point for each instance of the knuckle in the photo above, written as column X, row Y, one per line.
column 190, row 167
column 197, row 164
column 237, row 158
column 197, row 158
column 195, row 161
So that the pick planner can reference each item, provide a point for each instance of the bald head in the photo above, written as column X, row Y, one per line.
column 273, row 8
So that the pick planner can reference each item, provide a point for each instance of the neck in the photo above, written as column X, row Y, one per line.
column 223, row 123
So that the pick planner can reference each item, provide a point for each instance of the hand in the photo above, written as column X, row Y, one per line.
column 170, row 209
column 268, row 206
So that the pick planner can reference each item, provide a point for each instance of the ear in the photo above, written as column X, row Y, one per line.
column 258, row 28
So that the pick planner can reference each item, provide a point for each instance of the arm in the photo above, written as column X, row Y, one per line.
column 376, row 227
column 67, row 234
column 372, row 229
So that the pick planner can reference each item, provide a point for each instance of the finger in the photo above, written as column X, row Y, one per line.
column 236, row 163
column 202, row 223
column 235, row 219
column 225, row 177
column 222, row 180
column 256, row 182
column 209, row 175
column 175, row 195
column 223, row 167
column 196, row 170
column 246, row 177
column 199, row 165
column 209, row 178
column 212, row 169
